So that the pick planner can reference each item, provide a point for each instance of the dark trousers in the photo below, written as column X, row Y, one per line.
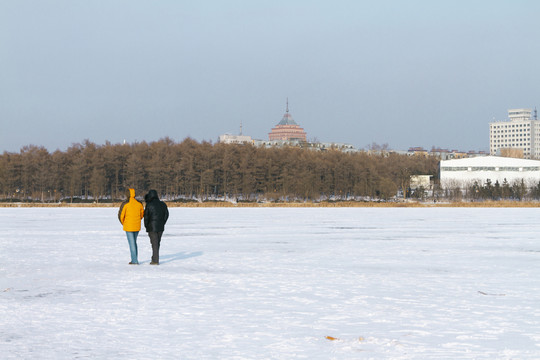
column 155, row 240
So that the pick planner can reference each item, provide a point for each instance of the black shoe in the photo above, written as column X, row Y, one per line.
column 132, row 263
column 154, row 263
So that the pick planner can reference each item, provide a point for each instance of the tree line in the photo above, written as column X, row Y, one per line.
column 190, row 170
column 517, row 190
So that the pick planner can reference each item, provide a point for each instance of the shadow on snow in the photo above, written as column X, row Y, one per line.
column 163, row 259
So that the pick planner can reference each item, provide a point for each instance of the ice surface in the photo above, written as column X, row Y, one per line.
column 272, row 283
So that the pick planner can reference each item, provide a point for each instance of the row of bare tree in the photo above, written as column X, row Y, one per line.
column 190, row 169
column 476, row 191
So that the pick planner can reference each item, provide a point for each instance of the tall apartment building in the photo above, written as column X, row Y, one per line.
column 520, row 132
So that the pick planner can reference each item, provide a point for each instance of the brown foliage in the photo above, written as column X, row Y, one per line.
column 189, row 169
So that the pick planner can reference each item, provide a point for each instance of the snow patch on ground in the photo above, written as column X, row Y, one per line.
column 273, row 283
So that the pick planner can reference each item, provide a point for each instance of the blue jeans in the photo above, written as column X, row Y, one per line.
column 132, row 240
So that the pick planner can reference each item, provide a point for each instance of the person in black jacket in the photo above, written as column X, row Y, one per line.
column 156, row 214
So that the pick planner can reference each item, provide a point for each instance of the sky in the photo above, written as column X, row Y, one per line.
column 403, row 73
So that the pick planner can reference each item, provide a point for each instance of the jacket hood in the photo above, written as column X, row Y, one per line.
column 152, row 194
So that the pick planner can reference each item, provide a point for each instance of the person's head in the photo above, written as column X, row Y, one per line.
column 130, row 193
column 152, row 194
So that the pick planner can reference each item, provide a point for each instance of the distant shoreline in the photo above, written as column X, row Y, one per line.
column 340, row 204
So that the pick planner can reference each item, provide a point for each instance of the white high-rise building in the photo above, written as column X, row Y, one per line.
column 519, row 132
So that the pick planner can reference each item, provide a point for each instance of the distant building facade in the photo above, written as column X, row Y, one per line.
column 287, row 133
column 287, row 129
column 520, row 131
column 418, row 181
column 316, row 146
column 443, row 154
column 235, row 139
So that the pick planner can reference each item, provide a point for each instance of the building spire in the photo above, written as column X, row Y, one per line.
column 287, row 104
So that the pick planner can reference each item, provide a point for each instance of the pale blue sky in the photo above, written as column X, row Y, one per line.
column 407, row 73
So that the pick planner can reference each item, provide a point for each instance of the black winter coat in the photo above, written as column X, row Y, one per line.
column 156, row 213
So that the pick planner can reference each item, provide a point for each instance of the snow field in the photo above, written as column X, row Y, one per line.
column 272, row 283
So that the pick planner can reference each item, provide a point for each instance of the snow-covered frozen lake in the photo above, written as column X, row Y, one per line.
column 272, row 283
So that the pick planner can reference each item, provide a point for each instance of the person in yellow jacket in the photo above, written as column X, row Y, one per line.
column 130, row 214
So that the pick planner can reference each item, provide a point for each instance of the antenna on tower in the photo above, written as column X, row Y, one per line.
column 287, row 104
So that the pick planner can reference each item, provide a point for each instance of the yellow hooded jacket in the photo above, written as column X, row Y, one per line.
column 131, row 212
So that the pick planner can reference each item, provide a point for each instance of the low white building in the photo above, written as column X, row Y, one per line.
column 235, row 139
column 464, row 172
column 418, row 181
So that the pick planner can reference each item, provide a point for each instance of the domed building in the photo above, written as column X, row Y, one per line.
column 287, row 129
